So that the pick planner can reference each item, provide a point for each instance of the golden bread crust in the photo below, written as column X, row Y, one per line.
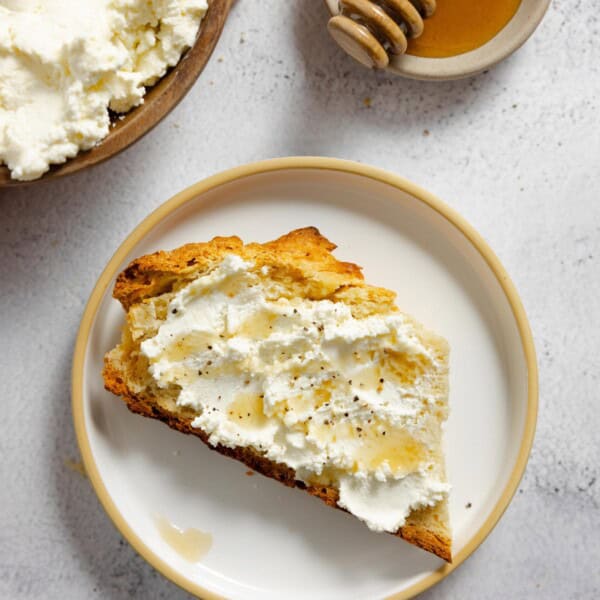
column 301, row 259
column 303, row 256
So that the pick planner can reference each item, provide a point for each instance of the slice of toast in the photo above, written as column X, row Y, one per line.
column 297, row 265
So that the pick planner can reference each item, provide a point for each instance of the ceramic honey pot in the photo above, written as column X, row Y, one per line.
column 433, row 39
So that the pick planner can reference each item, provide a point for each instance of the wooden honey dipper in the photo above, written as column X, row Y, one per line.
column 372, row 30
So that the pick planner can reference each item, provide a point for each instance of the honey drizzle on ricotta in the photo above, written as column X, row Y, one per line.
column 307, row 384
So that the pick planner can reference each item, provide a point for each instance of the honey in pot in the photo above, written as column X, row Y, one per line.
column 458, row 26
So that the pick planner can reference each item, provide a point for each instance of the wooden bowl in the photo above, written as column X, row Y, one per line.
column 159, row 100
column 509, row 39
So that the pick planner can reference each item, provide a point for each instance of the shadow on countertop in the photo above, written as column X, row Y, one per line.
column 366, row 100
column 112, row 567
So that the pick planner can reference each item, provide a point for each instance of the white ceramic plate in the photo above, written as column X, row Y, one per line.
column 271, row 542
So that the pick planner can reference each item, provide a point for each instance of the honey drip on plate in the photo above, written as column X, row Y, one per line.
column 458, row 26
column 190, row 544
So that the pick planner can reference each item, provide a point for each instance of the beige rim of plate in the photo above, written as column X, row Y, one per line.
column 331, row 164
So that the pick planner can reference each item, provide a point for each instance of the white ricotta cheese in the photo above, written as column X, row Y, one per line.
column 306, row 384
column 64, row 63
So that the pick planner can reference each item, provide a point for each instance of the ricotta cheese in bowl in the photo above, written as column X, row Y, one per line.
column 65, row 63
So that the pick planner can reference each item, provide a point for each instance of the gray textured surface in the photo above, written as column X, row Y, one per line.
column 515, row 150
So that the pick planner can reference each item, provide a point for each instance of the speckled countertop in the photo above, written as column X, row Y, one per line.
column 515, row 150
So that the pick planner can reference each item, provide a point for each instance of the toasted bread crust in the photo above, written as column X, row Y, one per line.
column 303, row 254
column 307, row 255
